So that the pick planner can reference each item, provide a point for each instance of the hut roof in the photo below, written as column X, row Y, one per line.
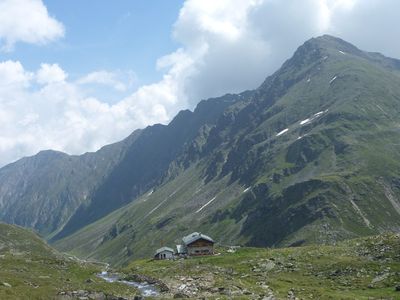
column 162, row 249
column 196, row 236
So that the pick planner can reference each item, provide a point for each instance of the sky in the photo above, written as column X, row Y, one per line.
column 77, row 75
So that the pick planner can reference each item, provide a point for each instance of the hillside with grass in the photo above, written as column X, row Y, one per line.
column 30, row 269
column 364, row 268
column 311, row 156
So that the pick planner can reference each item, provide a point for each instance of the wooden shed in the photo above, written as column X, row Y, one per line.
column 196, row 244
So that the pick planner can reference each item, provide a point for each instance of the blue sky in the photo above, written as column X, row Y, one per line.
column 110, row 35
column 77, row 75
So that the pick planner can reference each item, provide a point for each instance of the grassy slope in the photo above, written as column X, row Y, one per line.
column 36, row 271
column 345, row 271
column 160, row 218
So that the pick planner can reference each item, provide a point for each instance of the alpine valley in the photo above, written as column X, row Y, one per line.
column 312, row 156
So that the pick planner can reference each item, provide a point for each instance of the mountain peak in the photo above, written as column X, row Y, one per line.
column 323, row 46
column 331, row 42
column 319, row 48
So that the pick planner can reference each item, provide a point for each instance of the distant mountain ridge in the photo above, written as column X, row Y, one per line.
column 53, row 190
column 44, row 190
column 309, row 156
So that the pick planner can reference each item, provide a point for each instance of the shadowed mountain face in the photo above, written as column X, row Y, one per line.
column 146, row 162
column 43, row 191
column 310, row 156
column 56, row 193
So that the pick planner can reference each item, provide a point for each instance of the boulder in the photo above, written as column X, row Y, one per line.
column 180, row 296
column 6, row 284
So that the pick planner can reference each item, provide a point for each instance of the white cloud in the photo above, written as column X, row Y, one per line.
column 59, row 115
column 26, row 21
column 232, row 45
column 226, row 46
column 50, row 74
column 12, row 73
column 106, row 78
column 370, row 24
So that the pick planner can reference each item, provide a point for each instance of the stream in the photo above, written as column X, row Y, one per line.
column 145, row 288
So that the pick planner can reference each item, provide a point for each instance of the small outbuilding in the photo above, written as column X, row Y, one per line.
column 196, row 244
column 164, row 253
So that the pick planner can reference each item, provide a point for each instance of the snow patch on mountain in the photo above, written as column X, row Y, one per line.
column 282, row 132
